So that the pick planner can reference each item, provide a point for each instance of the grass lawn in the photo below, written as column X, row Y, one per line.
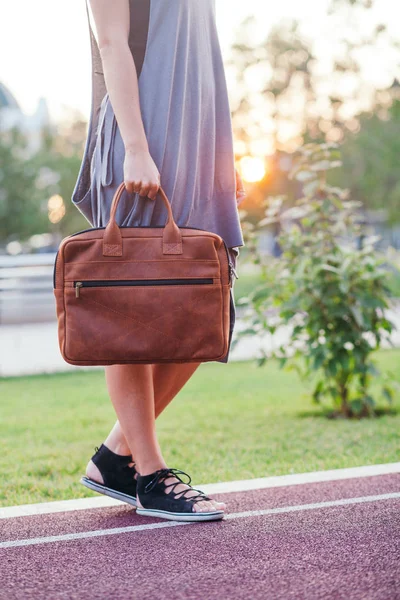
column 233, row 421
column 249, row 280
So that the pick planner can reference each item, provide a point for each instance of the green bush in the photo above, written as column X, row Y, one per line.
column 329, row 286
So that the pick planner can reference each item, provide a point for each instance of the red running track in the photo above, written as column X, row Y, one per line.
column 328, row 540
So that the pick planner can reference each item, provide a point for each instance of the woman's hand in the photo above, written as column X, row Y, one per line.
column 240, row 191
column 140, row 173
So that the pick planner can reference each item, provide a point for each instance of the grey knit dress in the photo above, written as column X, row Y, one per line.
column 187, row 120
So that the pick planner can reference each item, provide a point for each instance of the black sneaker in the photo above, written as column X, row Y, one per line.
column 159, row 499
column 118, row 477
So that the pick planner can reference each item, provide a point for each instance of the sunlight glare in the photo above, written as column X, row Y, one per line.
column 56, row 209
column 252, row 168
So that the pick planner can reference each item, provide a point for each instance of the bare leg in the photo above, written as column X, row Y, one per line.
column 131, row 390
column 168, row 380
column 116, row 441
column 139, row 393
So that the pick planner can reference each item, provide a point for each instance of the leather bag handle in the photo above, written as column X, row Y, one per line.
column 112, row 240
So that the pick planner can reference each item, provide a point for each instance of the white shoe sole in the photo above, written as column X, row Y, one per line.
column 102, row 489
column 173, row 516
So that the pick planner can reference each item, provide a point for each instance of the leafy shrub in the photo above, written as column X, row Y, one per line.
column 329, row 286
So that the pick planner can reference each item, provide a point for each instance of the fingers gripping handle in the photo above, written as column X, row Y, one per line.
column 112, row 241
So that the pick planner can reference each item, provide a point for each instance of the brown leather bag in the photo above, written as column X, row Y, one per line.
column 142, row 294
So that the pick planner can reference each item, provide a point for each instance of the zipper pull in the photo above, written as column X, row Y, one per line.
column 78, row 286
column 232, row 270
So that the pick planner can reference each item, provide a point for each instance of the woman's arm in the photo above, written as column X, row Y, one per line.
column 112, row 21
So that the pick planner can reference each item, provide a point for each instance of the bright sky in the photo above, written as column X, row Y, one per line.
column 44, row 44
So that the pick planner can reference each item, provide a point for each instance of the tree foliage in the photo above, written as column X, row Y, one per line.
column 371, row 162
column 61, row 155
column 27, row 181
column 330, row 290
column 308, row 92
column 293, row 88
column 21, row 211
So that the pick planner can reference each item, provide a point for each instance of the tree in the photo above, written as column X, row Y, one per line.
column 371, row 162
column 28, row 181
column 22, row 208
column 61, row 155
column 302, row 93
column 300, row 98
column 330, row 291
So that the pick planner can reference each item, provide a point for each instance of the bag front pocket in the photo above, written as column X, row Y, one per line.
column 152, row 320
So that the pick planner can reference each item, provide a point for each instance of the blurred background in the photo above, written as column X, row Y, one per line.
column 316, row 70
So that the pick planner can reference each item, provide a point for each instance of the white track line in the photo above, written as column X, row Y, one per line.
column 301, row 478
column 250, row 513
column 45, row 508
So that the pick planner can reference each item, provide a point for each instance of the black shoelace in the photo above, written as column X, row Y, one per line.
column 163, row 474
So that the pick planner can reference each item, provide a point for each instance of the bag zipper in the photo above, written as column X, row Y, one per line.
column 232, row 270
column 230, row 266
column 103, row 228
column 78, row 285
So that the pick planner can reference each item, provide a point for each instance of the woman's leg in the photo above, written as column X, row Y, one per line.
column 168, row 380
column 116, row 441
column 133, row 390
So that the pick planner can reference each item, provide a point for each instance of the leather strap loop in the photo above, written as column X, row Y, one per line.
column 112, row 241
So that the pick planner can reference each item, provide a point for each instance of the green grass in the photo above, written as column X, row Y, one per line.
column 248, row 281
column 234, row 421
